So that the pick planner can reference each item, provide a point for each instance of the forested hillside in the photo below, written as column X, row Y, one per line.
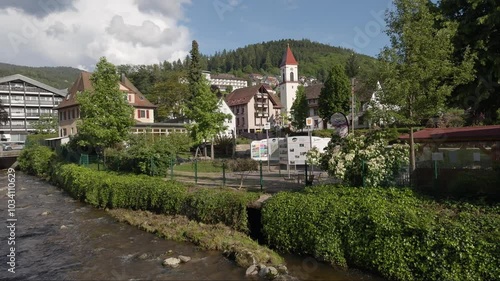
column 57, row 77
column 315, row 59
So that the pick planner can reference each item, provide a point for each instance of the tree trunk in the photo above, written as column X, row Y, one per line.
column 212, row 154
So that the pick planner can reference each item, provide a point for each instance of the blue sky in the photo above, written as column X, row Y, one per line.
column 229, row 24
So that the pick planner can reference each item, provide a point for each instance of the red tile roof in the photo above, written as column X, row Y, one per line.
column 243, row 95
column 463, row 134
column 83, row 83
column 288, row 58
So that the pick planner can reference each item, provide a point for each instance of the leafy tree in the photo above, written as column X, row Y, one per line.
column 478, row 29
column 106, row 116
column 4, row 116
column 300, row 109
column 352, row 66
column 170, row 95
column 418, row 70
column 204, row 111
column 47, row 123
column 335, row 94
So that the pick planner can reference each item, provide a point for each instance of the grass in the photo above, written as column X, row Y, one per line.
column 219, row 237
column 203, row 167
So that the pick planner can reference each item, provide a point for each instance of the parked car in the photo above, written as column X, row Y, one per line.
column 6, row 147
column 17, row 145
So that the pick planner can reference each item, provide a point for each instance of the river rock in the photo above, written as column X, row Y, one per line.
column 282, row 269
column 172, row 262
column 46, row 213
column 184, row 259
column 264, row 270
column 144, row 256
column 252, row 270
column 64, row 227
column 286, row 278
column 272, row 273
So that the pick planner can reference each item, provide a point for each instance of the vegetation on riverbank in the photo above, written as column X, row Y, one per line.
column 394, row 232
column 219, row 237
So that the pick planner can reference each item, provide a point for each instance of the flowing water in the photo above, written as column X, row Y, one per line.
column 58, row 238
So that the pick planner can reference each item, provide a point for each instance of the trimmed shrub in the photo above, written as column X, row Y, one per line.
column 35, row 160
column 390, row 231
column 220, row 206
column 140, row 192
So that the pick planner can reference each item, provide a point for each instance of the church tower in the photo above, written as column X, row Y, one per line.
column 290, row 80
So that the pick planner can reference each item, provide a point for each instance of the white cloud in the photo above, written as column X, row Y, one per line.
column 77, row 36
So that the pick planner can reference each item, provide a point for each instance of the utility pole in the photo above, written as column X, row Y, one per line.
column 352, row 104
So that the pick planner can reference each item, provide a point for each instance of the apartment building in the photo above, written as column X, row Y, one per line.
column 253, row 107
column 25, row 100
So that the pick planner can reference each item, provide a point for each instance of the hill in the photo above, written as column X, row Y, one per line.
column 60, row 77
column 315, row 59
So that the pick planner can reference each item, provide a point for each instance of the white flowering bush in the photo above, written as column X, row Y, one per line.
column 313, row 156
column 365, row 160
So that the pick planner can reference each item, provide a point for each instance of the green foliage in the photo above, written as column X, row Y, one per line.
column 243, row 166
column 35, row 160
column 390, row 231
column 365, row 160
column 47, row 124
column 335, row 94
column 146, row 155
column 57, row 77
column 478, row 26
column 300, row 109
column 202, row 167
column 203, row 110
column 418, row 71
column 194, row 75
column 38, row 138
column 106, row 116
column 139, row 192
column 452, row 117
column 220, row 206
column 169, row 94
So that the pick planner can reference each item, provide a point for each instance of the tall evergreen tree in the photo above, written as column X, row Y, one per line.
column 300, row 109
column 418, row 70
column 106, row 116
column 194, row 75
column 335, row 94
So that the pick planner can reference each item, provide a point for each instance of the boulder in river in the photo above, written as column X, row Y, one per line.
column 172, row 262
column 184, row 259
column 252, row 270
column 46, row 213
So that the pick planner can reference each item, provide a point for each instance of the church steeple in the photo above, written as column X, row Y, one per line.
column 289, row 79
column 288, row 58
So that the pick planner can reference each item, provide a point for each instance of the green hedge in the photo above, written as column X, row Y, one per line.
column 390, row 231
column 35, row 159
column 140, row 192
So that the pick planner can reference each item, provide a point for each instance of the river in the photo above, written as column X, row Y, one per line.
column 58, row 238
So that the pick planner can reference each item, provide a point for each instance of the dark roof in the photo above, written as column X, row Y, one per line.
column 33, row 82
column 463, row 134
column 83, row 83
column 313, row 91
column 288, row 58
column 244, row 95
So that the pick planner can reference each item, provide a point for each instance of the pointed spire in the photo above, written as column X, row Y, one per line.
column 288, row 58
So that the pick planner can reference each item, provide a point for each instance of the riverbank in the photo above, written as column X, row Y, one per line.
column 235, row 245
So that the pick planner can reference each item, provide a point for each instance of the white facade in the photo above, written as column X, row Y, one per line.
column 25, row 100
column 229, row 124
column 289, row 85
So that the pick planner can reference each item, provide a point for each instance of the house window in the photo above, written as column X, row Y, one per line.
column 141, row 113
column 72, row 116
column 242, row 121
column 64, row 116
column 238, row 110
column 72, row 131
column 242, row 110
column 237, row 121
column 291, row 76
column 64, row 132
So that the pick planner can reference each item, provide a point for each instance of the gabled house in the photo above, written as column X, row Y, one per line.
column 253, row 108
column 69, row 109
column 312, row 95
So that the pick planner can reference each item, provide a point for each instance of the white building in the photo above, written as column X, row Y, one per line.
column 290, row 80
column 224, row 81
column 25, row 100
column 229, row 124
